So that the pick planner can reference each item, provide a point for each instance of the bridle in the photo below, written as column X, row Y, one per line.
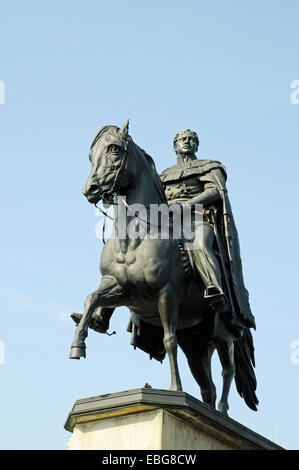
column 108, row 196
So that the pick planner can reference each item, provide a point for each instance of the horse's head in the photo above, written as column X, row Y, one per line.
column 112, row 171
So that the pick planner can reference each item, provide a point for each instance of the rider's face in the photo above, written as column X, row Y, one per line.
column 186, row 144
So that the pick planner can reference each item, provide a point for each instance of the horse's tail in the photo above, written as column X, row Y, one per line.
column 244, row 369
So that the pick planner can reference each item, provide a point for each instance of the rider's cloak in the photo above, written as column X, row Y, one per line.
column 212, row 171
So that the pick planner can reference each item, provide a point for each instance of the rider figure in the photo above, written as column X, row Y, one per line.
column 190, row 189
column 193, row 181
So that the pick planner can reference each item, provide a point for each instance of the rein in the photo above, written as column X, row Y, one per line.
column 111, row 218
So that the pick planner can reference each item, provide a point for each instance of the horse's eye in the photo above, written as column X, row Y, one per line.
column 114, row 149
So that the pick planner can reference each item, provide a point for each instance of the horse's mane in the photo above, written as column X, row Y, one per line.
column 156, row 177
column 158, row 183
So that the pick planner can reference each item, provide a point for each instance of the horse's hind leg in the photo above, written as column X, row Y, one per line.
column 168, row 310
column 226, row 355
column 109, row 294
column 198, row 350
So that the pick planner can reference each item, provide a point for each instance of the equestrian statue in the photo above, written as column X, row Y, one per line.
column 194, row 297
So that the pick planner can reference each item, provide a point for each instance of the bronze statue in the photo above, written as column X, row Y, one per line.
column 192, row 298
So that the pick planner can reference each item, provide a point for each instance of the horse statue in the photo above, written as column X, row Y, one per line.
column 149, row 276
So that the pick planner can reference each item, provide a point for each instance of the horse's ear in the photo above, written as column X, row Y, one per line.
column 124, row 130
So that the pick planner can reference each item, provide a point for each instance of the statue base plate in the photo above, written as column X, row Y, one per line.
column 151, row 419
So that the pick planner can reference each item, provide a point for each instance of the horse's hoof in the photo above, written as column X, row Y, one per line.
column 77, row 352
column 223, row 410
column 176, row 388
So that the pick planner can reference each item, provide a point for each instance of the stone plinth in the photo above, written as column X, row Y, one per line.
column 150, row 419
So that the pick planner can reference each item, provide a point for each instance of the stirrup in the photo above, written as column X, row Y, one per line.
column 212, row 293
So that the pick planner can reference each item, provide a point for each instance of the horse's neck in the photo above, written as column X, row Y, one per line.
column 144, row 192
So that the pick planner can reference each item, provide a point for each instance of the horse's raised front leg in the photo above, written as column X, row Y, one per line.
column 226, row 355
column 168, row 310
column 109, row 294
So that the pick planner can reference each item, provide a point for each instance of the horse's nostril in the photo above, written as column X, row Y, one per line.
column 94, row 189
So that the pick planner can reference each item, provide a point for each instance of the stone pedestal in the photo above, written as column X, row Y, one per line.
column 150, row 419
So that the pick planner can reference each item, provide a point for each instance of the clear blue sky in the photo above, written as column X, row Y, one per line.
column 221, row 68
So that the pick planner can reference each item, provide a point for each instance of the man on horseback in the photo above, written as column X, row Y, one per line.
column 170, row 305
column 217, row 259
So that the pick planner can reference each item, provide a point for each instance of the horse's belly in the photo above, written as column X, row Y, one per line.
column 191, row 312
column 155, row 320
